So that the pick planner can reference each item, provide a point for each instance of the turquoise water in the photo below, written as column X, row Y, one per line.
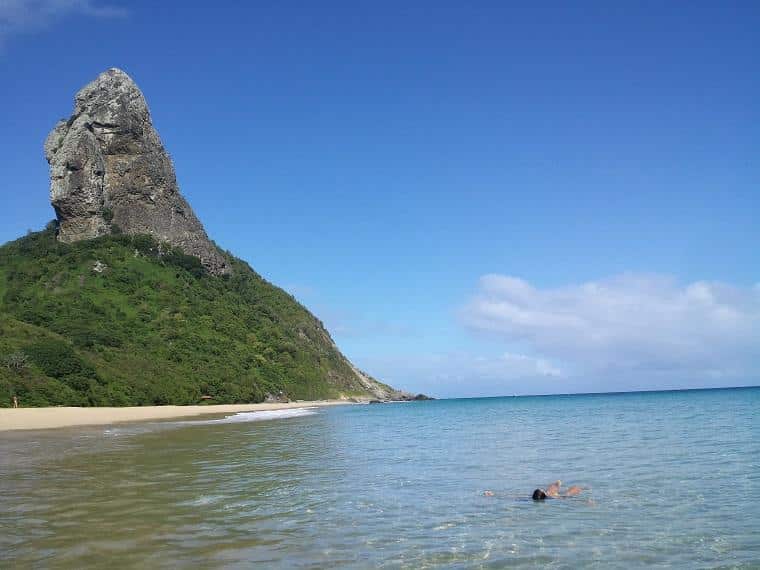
column 672, row 479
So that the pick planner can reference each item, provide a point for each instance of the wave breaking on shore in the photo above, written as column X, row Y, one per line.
column 245, row 417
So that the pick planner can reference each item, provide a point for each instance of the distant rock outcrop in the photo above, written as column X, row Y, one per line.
column 109, row 172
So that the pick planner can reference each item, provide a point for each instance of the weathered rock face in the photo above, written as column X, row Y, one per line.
column 109, row 169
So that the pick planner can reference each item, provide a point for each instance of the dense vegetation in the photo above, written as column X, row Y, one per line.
column 123, row 320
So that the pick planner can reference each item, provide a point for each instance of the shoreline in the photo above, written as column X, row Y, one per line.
column 17, row 419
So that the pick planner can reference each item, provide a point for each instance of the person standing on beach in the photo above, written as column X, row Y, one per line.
column 14, row 401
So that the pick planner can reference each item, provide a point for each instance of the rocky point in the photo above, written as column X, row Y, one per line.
column 109, row 172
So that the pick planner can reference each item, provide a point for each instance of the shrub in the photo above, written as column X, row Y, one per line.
column 78, row 382
column 88, row 337
column 176, row 258
column 145, row 244
column 16, row 362
column 55, row 358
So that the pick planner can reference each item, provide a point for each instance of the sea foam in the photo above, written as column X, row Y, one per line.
column 243, row 417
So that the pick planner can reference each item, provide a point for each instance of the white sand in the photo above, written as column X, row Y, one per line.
column 46, row 418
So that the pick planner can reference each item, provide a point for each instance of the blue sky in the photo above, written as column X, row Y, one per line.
column 478, row 198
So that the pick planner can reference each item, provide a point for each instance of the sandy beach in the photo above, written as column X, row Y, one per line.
column 48, row 418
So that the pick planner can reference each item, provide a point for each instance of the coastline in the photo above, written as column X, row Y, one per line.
column 15, row 419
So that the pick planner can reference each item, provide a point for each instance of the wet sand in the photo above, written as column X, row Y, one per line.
column 59, row 417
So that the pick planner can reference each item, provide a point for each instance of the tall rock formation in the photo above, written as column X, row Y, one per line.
column 108, row 169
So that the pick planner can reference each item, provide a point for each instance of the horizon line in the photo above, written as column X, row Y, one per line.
column 613, row 393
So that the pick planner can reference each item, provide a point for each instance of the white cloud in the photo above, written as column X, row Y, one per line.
column 22, row 16
column 525, row 365
column 628, row 323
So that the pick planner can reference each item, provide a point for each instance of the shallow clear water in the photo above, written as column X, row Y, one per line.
column 673, row 479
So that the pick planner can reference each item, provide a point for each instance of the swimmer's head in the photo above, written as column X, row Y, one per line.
column 539, row 495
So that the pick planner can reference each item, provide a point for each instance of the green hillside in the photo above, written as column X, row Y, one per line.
column 151, row 327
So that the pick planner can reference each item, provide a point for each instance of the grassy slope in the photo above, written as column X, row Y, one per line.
column 152, row 328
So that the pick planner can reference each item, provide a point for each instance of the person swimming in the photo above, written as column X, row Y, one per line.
column 553, row 492
column 553, row 489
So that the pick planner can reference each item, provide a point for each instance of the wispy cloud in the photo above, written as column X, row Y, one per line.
column 647, row 324
column 343, row 323
column 25, row 16
column 453, row 374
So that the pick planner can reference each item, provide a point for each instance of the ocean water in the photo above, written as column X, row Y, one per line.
column 671, row 479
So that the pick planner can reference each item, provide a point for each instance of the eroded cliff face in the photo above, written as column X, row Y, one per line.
column 110, row 172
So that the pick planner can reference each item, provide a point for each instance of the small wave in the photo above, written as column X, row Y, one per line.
column 202, row 501
column 243, row 417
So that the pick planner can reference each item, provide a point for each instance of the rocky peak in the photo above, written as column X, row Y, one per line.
column 109, row 172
